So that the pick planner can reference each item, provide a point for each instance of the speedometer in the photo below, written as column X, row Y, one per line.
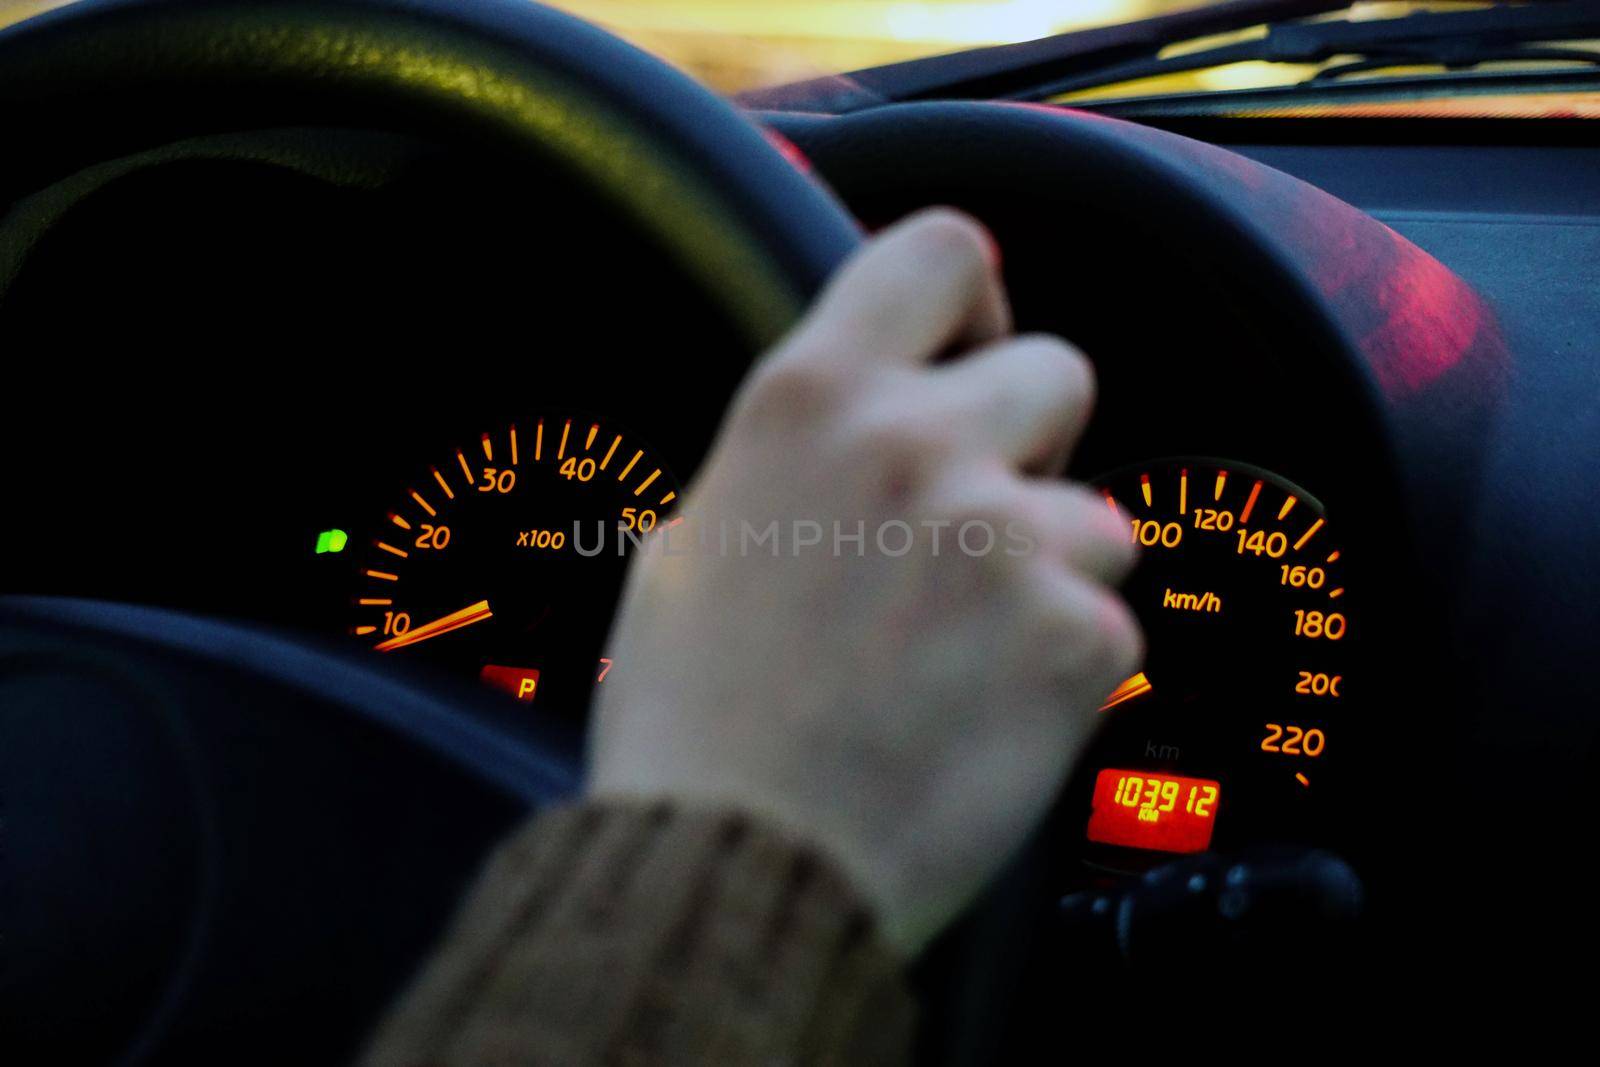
column 1237, row 730
column 504, row 558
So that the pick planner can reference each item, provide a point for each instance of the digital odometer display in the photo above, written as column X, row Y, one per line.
column 1155, row 811
column 1249, row 674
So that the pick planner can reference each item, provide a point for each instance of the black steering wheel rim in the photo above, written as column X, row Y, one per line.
column 102, row 79
column 303, row 936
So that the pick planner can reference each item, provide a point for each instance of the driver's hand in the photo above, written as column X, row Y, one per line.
column 909, row 701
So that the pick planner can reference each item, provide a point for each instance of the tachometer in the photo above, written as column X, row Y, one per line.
column 505, row 558
column 1237, row 729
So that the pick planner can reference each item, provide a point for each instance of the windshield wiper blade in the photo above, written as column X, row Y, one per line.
column 1445, row 38
column 1010, row 70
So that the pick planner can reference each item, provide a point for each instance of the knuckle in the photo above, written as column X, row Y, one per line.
column 792, row 391
column 900, row 435
column 991, row 522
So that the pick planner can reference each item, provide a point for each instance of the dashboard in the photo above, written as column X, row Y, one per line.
column 1345, row 589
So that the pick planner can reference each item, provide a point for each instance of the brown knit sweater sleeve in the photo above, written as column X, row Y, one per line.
column 632, row 934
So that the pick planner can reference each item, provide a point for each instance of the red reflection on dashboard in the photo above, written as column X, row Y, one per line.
column 789, row 150
column 1140, row 809
column 1431, row 320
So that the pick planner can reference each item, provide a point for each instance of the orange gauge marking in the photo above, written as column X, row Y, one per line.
column 624, row 475
column 449, row 495
column 1288, row 506
column 1111, row 502
column 398, row 521
column 513, row 446
column 466, row 468
column 669, row 498
column 362, row 631
column 1308, row 535
column 561, row 452
column 1137, row 686
column 393, row 551
column 1332, row 556
column 611, row 451
column 1183, row 492
column 1335, row 594
column 1144, row 488
column 1222, row 480
column 488, row 449
column 538, row 442
column 423, row 503
column 1255, row 491
column 589, row 441
column 646, row 483
column 384, row 575
column 1302, row 779
column 374, row 602
column 472, row 613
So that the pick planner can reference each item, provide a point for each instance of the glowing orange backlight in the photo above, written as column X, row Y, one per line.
column 1138, row 809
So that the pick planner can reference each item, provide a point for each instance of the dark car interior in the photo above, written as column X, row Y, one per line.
column 297, row 297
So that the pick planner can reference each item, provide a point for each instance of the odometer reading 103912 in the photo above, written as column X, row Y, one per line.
column 1250, row 671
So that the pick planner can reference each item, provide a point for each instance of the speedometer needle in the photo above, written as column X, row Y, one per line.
column 453, row 621
column 1137, row 686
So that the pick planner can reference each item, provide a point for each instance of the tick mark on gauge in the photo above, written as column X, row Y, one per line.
column 1249, row 505
column 615, row 441
column 449, row 495
column 561, row 451
column 423, row 504
column 1308, row 535
column 466, row 469
column 1302, row 779
column 1288, row 506
column 488, row 448
column 1144, row 488
column 1222, row 480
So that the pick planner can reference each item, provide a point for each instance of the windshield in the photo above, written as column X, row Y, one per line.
column 734, row 45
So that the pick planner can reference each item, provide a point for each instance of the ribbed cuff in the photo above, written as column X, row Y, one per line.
column 628, row 933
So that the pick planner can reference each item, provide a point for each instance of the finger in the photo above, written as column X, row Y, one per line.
column 922, row 285
column 1029, row 398
column 1101, row 643
column 1071, row 524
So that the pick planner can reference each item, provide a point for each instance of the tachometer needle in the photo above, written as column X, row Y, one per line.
column 1137, row 686
column 453, row 621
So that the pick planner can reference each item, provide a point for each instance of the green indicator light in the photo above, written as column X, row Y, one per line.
column 331, row 541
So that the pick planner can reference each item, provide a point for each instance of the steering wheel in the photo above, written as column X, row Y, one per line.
column 223, row 844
